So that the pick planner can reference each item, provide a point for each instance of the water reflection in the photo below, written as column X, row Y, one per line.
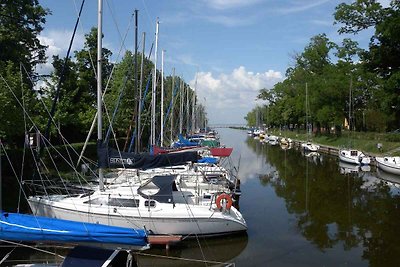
column 333, row 210
column 202, row 252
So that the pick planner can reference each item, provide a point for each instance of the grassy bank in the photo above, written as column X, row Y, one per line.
column 366, row 142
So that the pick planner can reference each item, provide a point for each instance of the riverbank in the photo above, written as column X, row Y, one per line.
column 366, row 142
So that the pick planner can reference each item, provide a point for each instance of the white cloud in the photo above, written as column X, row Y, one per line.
column 300, row 6
column 58, row 43
column 228, row 97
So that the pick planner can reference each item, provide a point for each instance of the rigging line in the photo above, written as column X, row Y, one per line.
column 116, row 24
column 104, row 92
column 23, row 152
column 141, row 105
column 32, row 247
column 148, row 15
column 46, row 109
column 62, row 75
column 15, row 174
column 83, row 33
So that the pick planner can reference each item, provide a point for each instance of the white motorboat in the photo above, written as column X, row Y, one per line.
column 308, row 146
column 389, row 164
column 354, row 156
column 159, row 206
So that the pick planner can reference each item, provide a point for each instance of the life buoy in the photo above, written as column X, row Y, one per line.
column 225, row 197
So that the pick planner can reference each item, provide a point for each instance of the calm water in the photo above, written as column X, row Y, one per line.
column 301, row 211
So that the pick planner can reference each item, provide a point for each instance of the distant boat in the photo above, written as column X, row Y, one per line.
column 310, row 147
column 354, row 156
column 389, row 164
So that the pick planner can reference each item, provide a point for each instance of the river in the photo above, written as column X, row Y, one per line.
column 301, row 211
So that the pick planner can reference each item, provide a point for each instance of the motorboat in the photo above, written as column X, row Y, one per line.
column 389, row 164
column 308, row 146
column 354, row 156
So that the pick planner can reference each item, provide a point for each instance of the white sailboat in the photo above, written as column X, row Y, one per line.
column 160, row 205
column 308, row 146
column 353, row 156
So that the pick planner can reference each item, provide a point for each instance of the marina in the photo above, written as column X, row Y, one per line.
column 173, row 133
column 300, row 211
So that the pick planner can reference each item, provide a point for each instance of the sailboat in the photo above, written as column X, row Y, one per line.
column 159, row 206
column 33, row 228
column 353, row 156
column 308, row 146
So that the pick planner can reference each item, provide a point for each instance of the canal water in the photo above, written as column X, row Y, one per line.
column 301, row 210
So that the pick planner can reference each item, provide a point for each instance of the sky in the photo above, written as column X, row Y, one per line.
column 232, row 48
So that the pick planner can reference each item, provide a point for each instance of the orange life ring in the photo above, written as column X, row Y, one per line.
column 227, row 198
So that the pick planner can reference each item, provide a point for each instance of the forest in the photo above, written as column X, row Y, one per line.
column 334, row 86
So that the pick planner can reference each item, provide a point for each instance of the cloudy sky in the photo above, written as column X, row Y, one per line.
column 232, row 48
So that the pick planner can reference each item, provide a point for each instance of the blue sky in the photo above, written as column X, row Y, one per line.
column 236, row 47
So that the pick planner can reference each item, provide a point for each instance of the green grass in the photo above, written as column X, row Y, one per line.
column 366, row 142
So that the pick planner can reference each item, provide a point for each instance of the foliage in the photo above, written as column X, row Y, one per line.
column 344, row 82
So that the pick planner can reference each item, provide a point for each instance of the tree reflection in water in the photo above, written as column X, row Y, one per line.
column 331, row 208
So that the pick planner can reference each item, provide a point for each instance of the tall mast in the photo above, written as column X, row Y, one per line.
column 194, row 107
column 153, row 95
column 307, row 112
column 162, row 100
column 99, row 84
column 187, row 109
column 135, row 82
column 172, row 99
column 140, row 94
column 181, row 107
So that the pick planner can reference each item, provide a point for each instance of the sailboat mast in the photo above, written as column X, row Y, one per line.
column 187, row 109
column 172, row 99
column 162, row 99
column 194, row 107
column 153, row 95
column 307, row 130
column 99, row 84
column 137, row 99
column 181, row 107
column 140, row 94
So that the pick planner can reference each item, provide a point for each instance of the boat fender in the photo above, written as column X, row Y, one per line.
column 225, row 197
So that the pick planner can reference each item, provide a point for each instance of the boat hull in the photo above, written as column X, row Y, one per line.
column 389, row 164
column 356, row 158
column 219, row 223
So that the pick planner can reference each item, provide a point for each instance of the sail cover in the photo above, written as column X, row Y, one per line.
column 30, row 228
column 112, row 158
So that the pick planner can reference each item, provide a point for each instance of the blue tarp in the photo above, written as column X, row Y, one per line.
column 209, row 160
column 183, row 142
column 24, row 227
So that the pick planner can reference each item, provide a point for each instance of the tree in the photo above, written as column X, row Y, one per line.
column 21, row 21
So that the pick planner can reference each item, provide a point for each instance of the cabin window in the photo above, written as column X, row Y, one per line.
column 123, row 202
column 353, row 153
column 150, row 203
column 116, row 202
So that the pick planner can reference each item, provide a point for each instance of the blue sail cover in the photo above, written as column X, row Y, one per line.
column 184, row 142
column 209, row 160
column 30, row 228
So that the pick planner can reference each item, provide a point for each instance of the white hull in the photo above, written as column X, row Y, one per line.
column 389, row 164
column 171, row 224
column 354, row 157
column 310, row 147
